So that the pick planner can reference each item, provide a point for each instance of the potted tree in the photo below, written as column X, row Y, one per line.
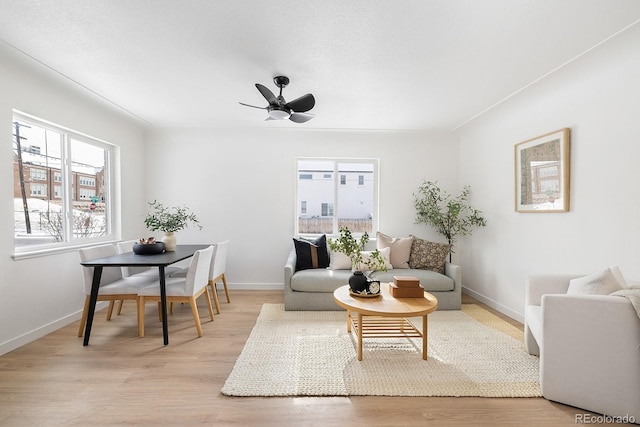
column 450, row 216
column 353, row 248
column 169, row 220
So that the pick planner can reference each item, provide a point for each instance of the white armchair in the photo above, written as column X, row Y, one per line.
column 589, row 347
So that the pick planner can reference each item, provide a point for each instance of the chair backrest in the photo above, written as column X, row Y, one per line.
column 127, row 246
column 198, row 271
column 219, row 261
column 109, row 274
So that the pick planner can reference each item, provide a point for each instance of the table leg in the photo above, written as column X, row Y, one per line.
column 93, row 298
column 425, row 332
column 348, row 320
column 163, row 301
column 359, row 336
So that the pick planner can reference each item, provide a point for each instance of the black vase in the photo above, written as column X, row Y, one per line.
column 358, row 281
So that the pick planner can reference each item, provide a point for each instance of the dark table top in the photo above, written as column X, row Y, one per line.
column 129, row 259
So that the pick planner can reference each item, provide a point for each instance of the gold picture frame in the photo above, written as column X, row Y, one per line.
column 542, row 173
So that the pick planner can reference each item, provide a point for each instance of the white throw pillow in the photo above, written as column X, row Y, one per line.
column 339, row 261
column 366, row 255
column 617, row 273
column 400, row 249
column 602, row 283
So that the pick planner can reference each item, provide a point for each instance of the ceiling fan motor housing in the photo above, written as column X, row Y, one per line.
column 278, row 112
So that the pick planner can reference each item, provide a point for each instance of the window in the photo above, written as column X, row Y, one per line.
column 78, row 206
column 327, row 209
column 38, row 189
column 88, row 181
column 37, row 174
column 341, row 193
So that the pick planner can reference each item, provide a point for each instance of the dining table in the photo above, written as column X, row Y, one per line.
column 130, row 259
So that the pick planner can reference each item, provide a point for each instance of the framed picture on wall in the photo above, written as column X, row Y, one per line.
column 542, row 173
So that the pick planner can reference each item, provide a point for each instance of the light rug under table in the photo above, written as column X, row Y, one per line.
column 309, row 353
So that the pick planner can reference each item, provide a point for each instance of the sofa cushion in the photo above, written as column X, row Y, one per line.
column 602, row 283
column 311, row 253
column 400, row 249
column 430, row 280
column 428, row 255
column 319, row 280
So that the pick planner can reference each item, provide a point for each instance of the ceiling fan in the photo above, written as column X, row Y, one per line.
column 279, row 109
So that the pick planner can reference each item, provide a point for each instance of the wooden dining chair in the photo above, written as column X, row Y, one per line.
column 113, row 287
column 182, row 289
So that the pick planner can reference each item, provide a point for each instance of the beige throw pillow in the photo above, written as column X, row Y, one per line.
column 400, row 249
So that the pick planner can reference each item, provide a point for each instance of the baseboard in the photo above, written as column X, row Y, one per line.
column 40, row 332
column 254, row 286
column 494, row 304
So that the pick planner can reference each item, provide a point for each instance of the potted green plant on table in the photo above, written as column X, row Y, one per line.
column 450, row 216
column 169, row 220
column 347, row 244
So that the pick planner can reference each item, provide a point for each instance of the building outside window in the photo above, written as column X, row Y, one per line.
column 78, row 207
column 350, row 199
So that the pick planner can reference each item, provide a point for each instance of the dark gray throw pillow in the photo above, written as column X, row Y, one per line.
column 311, row 253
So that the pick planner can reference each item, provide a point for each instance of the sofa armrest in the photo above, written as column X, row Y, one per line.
column 590, row 352
column 289, row 268
column 539, row 285
column 454, row 272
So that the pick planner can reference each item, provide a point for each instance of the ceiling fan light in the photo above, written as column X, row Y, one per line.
column 279, row 114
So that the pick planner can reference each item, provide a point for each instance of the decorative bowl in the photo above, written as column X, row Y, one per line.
column 148, row 249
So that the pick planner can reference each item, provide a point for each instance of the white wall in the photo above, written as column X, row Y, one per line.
column 41, row 294
column 598, row 97
column 241, row 185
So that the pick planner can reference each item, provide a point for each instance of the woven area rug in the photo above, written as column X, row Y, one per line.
column 471, row 352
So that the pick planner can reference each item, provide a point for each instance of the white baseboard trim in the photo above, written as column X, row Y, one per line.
column 253, row 286
column 495, row 305
column 40, row 332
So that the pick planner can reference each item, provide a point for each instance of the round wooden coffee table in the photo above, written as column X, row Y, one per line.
column 384, row 316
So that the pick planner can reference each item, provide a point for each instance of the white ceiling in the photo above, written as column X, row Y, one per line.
column 371, row 64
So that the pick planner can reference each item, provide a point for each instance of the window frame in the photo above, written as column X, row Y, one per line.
column 66, row 184
column 337, row 183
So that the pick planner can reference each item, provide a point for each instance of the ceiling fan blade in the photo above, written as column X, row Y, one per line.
column 268, row 95
column 301, row 117
column 252, row 106
column 302, row 104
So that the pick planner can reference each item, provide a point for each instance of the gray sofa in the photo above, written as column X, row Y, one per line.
column 312, row 289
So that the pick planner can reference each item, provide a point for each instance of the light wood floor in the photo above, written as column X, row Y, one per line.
column 120, row 379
